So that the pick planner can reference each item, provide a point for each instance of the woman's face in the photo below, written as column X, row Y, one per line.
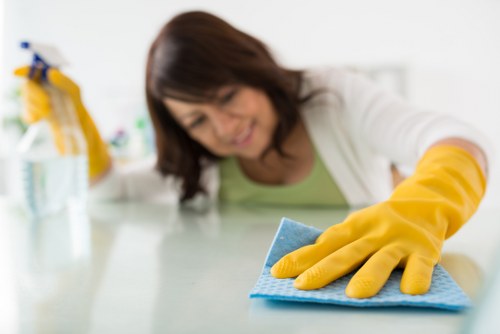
column 241, row 122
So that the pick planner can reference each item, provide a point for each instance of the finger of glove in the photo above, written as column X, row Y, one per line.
column 29, row 72
column 296, row 262
column 36, row 101
column 417, row 275
column 23, row 71
column 34, row 93
column 59, row 80
column 33, row 113
column 54, row 76
column 372, row 276
column 334, row 266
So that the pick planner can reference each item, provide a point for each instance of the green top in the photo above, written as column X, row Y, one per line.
column 317, row 189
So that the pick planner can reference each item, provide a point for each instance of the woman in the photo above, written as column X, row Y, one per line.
column 217, row 98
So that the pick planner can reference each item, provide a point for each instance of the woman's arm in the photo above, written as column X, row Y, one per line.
column 471, row 148
column 407, row 230
column 138, row 181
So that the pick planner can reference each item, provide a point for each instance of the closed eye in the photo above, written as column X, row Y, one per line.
column 197, row 122
column 226, row 98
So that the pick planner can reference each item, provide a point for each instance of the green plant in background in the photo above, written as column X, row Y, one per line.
column 133, row 142
column 16, row 122
column 144, row 127
column 11, row 120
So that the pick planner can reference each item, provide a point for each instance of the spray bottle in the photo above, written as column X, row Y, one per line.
column 53, row 151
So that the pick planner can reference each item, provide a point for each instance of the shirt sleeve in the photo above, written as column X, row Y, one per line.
column 137, row 181
column 395, row 129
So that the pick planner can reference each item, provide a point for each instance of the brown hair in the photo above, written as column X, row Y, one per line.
column 194, row 55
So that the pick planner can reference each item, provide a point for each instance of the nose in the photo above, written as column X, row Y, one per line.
column 225, row 124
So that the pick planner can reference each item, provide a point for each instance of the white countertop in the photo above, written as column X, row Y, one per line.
column 150, row 268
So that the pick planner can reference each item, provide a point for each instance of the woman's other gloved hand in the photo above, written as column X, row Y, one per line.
column 37, row 106
column 407, row 230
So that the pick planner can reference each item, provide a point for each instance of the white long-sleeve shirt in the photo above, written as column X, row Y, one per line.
column 359, row 129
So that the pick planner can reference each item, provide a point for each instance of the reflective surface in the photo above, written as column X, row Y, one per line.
column 484, row 319
column 147, row 268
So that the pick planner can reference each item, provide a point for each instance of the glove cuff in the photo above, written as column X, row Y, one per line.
column 448, row 178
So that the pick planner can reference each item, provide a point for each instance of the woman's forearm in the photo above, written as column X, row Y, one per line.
column 470, row 147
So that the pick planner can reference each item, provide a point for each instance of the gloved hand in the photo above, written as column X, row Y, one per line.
column 407, row 230
column 37, row 106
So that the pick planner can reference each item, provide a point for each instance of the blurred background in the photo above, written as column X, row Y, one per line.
column 441, row 55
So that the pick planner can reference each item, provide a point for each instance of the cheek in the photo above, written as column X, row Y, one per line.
column 268, row 116
column 260, row 107
column 208, row 140
column 203, row 137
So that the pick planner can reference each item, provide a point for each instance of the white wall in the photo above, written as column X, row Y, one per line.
column 451, row 48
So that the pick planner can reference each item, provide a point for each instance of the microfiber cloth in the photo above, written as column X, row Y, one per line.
column 443, row 294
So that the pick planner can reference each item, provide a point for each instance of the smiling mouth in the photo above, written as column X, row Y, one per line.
column 245, row 137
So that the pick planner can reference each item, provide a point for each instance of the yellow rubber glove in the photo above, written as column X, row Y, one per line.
column 407, row 230
column 37, row 106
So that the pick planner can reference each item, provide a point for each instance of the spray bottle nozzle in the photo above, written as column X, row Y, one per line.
column 44, row 57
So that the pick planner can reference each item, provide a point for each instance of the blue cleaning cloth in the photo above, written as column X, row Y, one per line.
column 444, row 292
